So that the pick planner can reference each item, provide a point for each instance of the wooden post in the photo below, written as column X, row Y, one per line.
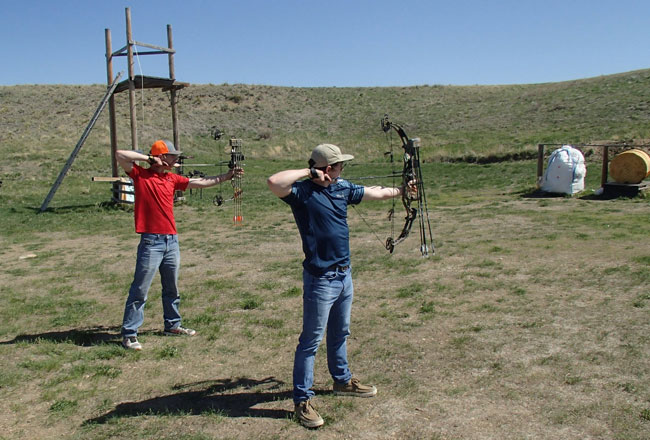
column 111, row 102
column 540, row 164
column 172, row 75
column 129, row 48
column 603, row 173
column 172, row 96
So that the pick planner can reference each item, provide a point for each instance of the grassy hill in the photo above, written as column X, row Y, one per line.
column 452, row 121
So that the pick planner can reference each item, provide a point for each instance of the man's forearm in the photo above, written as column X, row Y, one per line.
column 380, row 192
column 130, row 156
column 206, row 182
column 126, row 159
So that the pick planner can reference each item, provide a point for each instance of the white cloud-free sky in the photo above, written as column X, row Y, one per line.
column 305, row 43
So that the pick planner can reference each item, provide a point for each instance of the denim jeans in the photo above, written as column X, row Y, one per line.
column 327, row 303
column 156, row 252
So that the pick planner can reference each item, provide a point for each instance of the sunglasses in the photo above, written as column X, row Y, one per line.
column 169, row 158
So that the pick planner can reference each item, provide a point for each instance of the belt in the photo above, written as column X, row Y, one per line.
column 338, row 268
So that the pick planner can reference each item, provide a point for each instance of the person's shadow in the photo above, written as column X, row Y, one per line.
column 227, row 397
column 84, row 337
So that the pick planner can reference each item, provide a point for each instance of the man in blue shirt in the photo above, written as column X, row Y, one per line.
column 319, row 204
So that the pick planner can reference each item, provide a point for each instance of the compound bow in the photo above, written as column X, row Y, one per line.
column 236, row 161
column 412, row 192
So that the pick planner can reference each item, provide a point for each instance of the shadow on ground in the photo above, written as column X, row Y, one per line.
column 84, row 337
column 585, row 195
column 539, row 194
column 87, row 207
column 226, row 397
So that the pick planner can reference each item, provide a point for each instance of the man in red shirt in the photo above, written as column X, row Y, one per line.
column 154, row 221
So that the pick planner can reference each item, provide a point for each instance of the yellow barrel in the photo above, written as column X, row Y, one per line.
column 631, row 166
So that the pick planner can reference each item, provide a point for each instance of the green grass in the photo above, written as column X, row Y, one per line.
column 533, row 303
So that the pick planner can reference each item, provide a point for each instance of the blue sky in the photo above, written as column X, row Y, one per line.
column 329, row 42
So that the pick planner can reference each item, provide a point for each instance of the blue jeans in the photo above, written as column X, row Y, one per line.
column 327, row 303
column 156, row 252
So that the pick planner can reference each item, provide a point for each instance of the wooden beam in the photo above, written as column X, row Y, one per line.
column 111, row 179
column 603, row 171
column 158, row 52
column 132, row 109
column 172, row 76
column 120, row 52
column 540, row 164
column 111, row 103
column 151, row 46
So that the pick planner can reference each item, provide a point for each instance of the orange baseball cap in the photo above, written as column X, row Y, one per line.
column 163, row 147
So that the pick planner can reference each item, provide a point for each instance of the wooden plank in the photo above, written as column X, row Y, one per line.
column 151, row 46
column 151, row 82
column 111, row 179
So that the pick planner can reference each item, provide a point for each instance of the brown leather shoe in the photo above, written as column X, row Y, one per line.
column 307, row 415
column 354, row 388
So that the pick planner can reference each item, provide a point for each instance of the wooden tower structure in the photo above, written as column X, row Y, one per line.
column 134, row 82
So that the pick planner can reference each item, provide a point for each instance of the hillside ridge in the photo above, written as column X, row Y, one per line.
column 275, row 121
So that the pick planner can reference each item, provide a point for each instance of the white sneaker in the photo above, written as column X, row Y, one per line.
column 178, row 331
column 131, row 343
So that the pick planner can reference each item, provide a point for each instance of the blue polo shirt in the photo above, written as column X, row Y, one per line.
column 321, row 215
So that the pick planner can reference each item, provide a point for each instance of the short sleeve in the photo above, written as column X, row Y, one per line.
column 298, row 194
column 135, row 171
column 356, row 194
column 181, row 182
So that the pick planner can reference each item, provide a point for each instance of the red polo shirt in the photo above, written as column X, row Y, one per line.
column 154, row 200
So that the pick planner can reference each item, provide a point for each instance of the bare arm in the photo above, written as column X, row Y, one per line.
column 206, row 182
column 380, row 193
column 126, row 159
column 280, row 183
